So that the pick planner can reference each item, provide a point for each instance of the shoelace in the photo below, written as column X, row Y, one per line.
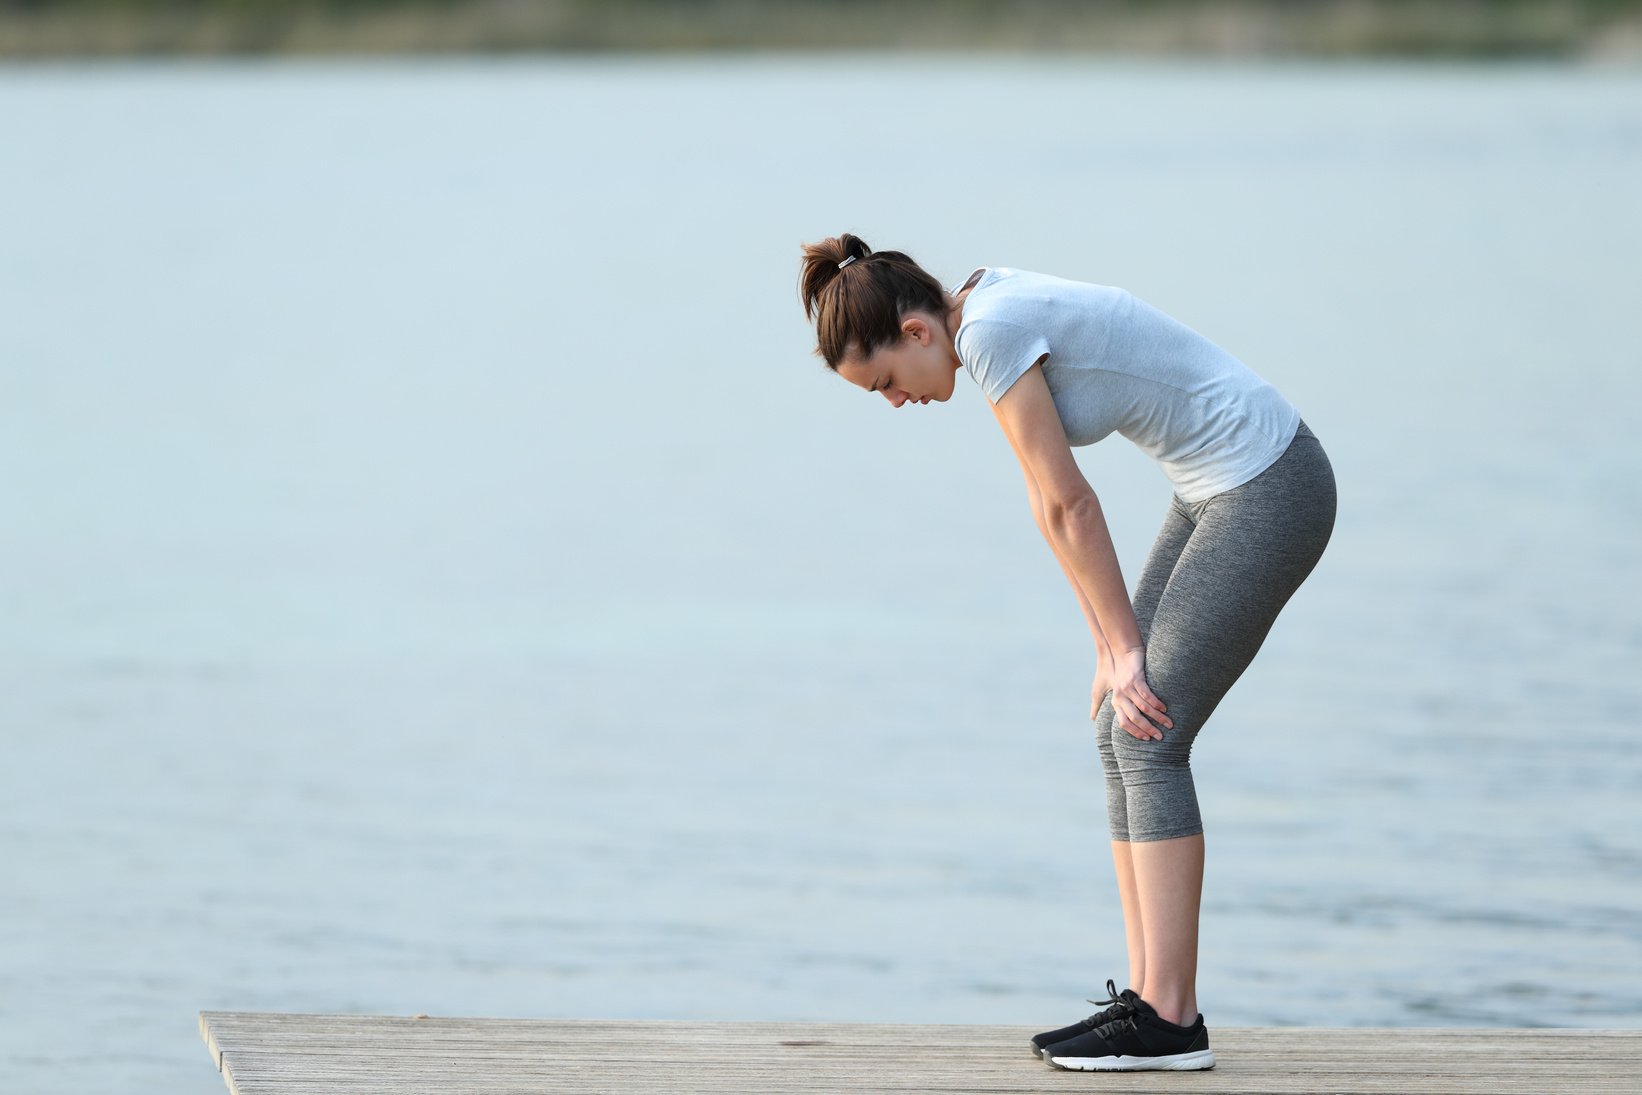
column 1113, row 996
column 1126, row 1021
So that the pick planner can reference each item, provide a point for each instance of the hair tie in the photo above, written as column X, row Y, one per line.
column 847, row 261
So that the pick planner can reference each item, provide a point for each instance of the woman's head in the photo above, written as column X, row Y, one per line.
column 880, row 319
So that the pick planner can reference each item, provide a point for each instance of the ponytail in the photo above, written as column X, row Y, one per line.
column 857, row 296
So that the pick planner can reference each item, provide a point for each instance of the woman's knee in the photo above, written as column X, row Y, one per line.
column 1136, row 755
column 1103, row 737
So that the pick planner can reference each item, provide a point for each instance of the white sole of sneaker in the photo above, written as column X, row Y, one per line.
column 1175, row 1062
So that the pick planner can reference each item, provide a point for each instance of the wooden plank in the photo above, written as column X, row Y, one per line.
column 280, row 1054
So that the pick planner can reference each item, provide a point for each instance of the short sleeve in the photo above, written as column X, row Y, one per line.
column 996, row 352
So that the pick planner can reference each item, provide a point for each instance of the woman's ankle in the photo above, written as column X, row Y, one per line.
column 1181, row 1011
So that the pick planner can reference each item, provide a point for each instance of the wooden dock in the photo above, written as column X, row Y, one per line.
column 274, row 1054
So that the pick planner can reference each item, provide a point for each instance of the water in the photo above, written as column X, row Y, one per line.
column 437, row 578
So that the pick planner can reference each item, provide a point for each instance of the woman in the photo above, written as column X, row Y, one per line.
column 1065, row 363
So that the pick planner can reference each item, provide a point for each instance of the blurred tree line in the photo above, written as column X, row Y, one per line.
column 1473, row 28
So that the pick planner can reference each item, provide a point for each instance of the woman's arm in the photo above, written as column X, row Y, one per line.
column 1034, row 495
column 1069, row 514
column 1104, row 666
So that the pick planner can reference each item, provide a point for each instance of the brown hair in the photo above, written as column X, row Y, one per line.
column 859, row 308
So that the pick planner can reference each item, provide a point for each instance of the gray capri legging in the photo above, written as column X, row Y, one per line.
column 1212, row 586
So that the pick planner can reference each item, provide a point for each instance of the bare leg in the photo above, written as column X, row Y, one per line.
column 1123, row 861
column 1168, row 883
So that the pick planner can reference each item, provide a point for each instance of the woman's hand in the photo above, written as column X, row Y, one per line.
column 1135, row 707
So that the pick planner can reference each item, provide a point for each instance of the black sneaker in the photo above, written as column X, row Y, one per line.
column 1120, row 1001
column 1134, row 1041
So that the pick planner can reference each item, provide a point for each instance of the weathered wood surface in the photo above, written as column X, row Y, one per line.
column 276, row 1054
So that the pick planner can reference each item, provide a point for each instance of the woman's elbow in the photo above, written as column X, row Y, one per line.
column 1072, row 513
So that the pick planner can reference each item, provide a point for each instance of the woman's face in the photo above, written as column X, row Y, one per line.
column 921, row 367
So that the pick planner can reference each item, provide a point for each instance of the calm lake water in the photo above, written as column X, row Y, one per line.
column 437, row 578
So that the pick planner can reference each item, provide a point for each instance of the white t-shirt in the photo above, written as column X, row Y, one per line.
column 1116, row 363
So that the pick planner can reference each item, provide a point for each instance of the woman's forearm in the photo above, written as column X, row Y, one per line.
column 1102, row 648
column 1081, row 541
